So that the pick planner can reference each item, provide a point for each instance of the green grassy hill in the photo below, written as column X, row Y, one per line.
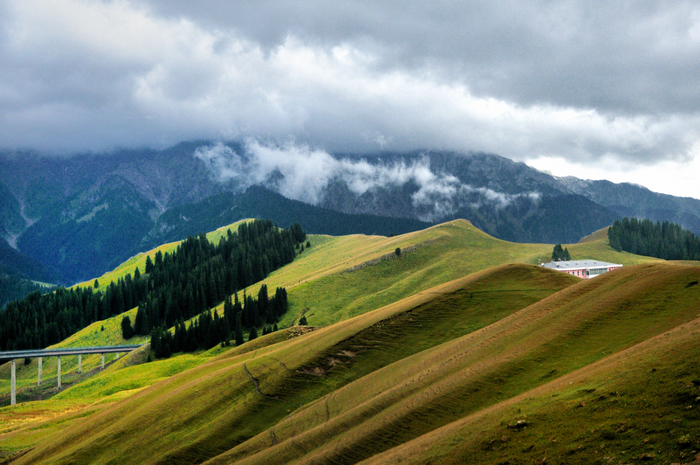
column 382, row 381
column 433, row 388
column 639, row 405
column 201, row 404
column 457, row 325
column 341, row 277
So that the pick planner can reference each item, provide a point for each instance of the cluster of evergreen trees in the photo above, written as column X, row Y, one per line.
column 174, row 287
column 199, row 275
column 14, row 287
column 206, row 331
column 560, row 254
column 668, row 241
column 38, row 320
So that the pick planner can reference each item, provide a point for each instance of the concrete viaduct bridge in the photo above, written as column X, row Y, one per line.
column 41, row 353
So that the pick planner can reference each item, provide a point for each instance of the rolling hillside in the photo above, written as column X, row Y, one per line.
column 339, row 277
column 416, row 351
column 430, row 364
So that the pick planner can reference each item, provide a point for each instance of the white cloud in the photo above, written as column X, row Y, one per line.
column 80, row 75
column 307, row 172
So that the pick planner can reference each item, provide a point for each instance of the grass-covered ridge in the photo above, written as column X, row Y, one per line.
column 384, row 379
column 207, row 399
column 561, row 334
column 394, row 337
column 344, row 277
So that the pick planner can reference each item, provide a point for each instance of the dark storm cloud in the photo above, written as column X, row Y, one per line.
column 617, row 56
column 578, row 80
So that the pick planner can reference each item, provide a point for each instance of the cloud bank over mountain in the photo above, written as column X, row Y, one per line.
column 301, row 173
column 583, row 82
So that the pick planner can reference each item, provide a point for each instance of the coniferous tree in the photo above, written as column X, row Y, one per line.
column 177, row 287
column 225, row 333
column 665, row 240
column 127, row 330
column 559, row 253
column 263, row 304
column 238, row 331
column 253, row 334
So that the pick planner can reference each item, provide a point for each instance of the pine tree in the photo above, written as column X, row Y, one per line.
column 127, row 331
column 238, row 331
column 559, row 253
column 253, row 334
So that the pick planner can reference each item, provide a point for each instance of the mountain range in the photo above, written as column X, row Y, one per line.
column 76, row 217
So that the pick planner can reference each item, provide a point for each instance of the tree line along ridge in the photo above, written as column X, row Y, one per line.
column 668, row 241
column 174, row 287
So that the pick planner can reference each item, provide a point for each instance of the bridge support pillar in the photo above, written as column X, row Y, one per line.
column 59, row 372
column 117, row 357
column 80, row 363
column 13, row 385
column 40, row 363
column 103, row 361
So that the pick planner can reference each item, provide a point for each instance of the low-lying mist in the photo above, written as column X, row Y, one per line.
column 303, row 173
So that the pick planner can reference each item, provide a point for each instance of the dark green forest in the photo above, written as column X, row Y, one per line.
column 668, row 241
column 207, row 330
column 13, row 287
column 173, row 288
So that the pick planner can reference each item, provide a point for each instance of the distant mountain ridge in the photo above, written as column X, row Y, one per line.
column 83, row 214
column 632, row 200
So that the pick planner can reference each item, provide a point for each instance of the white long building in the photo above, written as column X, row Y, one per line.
column 583, row 268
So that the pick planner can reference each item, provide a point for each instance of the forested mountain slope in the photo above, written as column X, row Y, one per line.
column 82, row 215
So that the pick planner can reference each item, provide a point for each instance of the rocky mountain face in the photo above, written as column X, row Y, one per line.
column 82, row 215
column 637, row 201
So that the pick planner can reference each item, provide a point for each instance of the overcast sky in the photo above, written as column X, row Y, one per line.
column 595, row 89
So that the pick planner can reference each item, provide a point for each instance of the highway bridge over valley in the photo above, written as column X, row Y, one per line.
column 68, row 351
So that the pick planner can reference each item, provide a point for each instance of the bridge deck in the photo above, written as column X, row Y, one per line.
column 17, row 354
column 41, row 353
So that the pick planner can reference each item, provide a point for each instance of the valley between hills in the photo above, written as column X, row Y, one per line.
column 460, row 349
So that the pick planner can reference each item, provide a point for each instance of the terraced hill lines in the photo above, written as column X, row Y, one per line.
column 461, row 326
column 191, row 414
column 637, row 404
column 430, row 389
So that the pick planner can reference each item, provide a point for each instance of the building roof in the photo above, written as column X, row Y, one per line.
column 579, row 265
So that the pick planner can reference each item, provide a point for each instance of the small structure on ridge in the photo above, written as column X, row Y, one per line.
column 584, row 269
